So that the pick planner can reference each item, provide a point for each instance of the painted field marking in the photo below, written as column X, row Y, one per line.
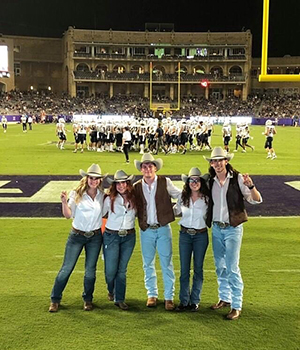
column 294, row 184
column 98, row 272
column 62, row 218
column 292, row 255
column 297, row 271
column 50, row 193
column 8, row 190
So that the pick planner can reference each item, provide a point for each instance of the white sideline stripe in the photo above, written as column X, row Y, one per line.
column 62, row 218
column 285, row 270
column 97, row 272
column 292, row 255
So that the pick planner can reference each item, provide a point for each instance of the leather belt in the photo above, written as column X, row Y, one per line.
column 192, row 231
column 121, row 233
column 87, row 234
column 221, row 224
column 153, row 227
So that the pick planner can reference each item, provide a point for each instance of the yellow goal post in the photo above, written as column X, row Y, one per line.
column 264, row 76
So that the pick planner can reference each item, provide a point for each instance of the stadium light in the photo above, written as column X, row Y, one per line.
column 4, row 74
column 204, row 83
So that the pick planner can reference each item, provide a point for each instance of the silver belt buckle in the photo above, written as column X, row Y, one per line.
column 221, row 224
column 89, row 234
column 191, row 231
column 154, row 227
column 122, row 233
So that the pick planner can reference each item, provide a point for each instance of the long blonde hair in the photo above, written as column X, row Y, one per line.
column 83, row 187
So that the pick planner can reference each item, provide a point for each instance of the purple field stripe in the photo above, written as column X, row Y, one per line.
column 279, row 199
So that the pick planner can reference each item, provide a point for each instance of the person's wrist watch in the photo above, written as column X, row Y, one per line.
column 251, row 187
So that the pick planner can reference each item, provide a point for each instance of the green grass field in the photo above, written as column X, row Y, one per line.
column 32, row 251
column 35, row 153
column 31, row 255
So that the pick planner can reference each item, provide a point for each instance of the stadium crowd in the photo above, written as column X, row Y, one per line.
column 45, row 107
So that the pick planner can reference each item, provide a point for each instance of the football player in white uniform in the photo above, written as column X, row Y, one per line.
column 270, row 131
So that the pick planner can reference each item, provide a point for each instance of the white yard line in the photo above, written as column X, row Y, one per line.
column 60, row 218
column 277, row 271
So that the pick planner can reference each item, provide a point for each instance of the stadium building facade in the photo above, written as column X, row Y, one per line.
column 148, row 64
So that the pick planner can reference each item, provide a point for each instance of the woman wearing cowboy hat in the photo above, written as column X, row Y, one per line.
column 193, row 238
column 119, row 235
column 85, row 207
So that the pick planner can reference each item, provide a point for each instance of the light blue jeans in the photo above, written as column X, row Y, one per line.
column 117, row 252
column 189, row 245
column 74, row 246
column 226, row 247
column 160, row 240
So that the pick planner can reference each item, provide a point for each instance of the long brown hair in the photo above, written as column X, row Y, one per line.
column 113, row 193
column 212, row 172
column 83, row 187
column 186, row 192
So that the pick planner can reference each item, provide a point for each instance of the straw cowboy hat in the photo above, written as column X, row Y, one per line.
column 94, row 170
column 219, row 153
column 148, row 158
column 192, row 172
column 120, row 176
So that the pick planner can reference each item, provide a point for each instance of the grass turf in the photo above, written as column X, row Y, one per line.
column 32, row 252
column 32, row 257
column 35, row 153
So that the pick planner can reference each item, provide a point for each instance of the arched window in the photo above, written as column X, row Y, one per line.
column 198, row 70
column 137, row 69
column 101, row 68
column 183, row 69
column 216, row 71
column 159, row 69
column 119, row 69
column 82, row 67
column 235, row 70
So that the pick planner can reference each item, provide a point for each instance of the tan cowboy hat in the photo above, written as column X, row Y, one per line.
column 219, row 153
column 148, row 158
column 192, row 172
column 120, row 176
column 94, row 170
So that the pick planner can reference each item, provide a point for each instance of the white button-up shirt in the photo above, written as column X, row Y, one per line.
column 220, row 208
column 87, row 214
column 193, row 216
column 123, row 217
column 149, row 194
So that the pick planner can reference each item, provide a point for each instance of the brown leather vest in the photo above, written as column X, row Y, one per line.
column 235, row 203
column 163, row 203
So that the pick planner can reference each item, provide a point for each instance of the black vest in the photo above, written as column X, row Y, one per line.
column 235, row 202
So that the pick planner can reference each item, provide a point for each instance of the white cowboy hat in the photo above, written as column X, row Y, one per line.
column 148, row 158
column 219, row 153
column 192, row 172
column 120, row 176
column 94, row 170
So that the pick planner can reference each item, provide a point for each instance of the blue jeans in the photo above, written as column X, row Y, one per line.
column 74, row 246
column 160, row 240
column 188, row 245
column 117, row 252
column 226, row 247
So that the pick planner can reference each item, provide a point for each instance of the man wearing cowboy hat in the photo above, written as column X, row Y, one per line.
column 226, row 214
column 154, row 210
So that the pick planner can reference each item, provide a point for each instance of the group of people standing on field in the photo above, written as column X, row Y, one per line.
column 215, row 200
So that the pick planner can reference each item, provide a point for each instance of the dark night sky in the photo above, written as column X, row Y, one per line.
column 52, row 17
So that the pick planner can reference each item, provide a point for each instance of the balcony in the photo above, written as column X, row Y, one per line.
column 165, row 78
column 148, row 58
